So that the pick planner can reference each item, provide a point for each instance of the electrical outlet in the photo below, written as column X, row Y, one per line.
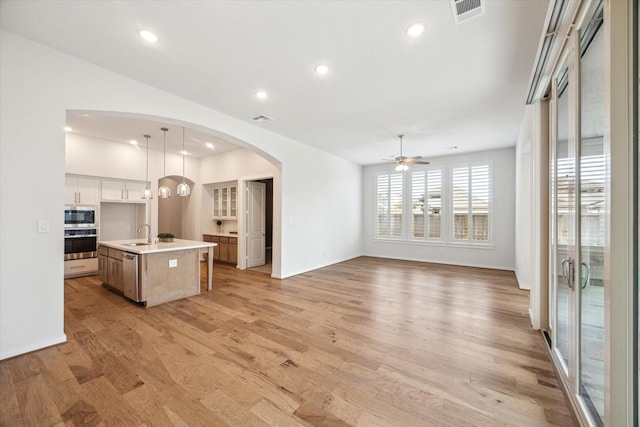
column 173, row 263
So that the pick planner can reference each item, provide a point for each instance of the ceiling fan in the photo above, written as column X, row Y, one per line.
column 402, row 162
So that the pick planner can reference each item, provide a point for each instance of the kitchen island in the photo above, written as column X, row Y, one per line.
column 154, row 273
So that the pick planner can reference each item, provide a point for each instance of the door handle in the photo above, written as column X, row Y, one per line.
column 568, row 271
column 587, row 277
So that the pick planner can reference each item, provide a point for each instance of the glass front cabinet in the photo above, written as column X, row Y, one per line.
column 224, row 201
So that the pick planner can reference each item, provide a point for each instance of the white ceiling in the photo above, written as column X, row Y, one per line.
column 455, row 85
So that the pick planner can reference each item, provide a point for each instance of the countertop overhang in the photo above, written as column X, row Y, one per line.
column 176, row 245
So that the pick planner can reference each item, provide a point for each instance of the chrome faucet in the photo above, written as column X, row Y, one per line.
column 148, row 232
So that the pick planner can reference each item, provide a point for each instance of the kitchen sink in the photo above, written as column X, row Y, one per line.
column 135, row 244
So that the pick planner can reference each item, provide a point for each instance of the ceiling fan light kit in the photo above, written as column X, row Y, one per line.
column 402, row 162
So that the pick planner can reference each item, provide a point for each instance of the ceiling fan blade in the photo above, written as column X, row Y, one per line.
column 416, row 160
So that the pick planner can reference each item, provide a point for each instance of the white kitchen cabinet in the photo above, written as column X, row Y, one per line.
column 81, row 190
column 80, row 267
column 122, row 191
column 225, row 202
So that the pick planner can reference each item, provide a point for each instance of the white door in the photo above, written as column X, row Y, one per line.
column 255, row 223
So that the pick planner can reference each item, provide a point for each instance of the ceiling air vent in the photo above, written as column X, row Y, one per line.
column 464, row 10
column 261, row 119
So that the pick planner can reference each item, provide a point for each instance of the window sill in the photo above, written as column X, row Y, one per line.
column 466, row 245
column 471, row 245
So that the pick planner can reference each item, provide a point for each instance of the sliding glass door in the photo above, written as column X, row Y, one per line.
column 579, row 220
column 592, row 221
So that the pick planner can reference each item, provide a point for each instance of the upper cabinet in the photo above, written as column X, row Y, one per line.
column 81, row 190
column 122, row 191
column 225, row 201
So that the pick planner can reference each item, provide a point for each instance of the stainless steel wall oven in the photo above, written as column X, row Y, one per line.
column 80, row 243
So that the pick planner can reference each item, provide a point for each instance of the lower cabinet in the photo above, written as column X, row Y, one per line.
column 110, row 270
column 80, row 267
column 227, row 249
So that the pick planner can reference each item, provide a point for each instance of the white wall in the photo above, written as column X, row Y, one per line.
column 500, row 255
column 38, row 86
column 524, row 200
column 327, row 193
column 233, row 166
column 532, row 214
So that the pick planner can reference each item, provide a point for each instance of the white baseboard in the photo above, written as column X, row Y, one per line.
column 530, row 316
column 521, row 283
column 462, row 264
column 32, row 347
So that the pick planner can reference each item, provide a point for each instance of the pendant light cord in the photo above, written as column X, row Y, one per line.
column 147, row 137
column 183, row 154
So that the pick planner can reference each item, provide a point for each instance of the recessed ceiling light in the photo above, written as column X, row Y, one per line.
column 415, row 30
column 210, row 146
column 453, row 147
column 322, row 69
column 133, row 142
column 148, row 36
column 261, row 94
column 68, row 129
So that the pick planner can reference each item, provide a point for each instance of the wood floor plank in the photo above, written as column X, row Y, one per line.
column 367, row 342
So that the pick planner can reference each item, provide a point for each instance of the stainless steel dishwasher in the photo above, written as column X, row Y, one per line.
column 130, row 276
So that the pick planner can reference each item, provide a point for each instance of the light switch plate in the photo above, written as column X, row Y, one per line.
column 173, row 263
column 43, row 226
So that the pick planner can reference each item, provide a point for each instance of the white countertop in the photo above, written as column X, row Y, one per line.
column 176, row 245
column 223, row 234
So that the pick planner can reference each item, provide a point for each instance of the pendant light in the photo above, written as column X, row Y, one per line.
column 147, row 194
column 164, row 192
column 183, row 188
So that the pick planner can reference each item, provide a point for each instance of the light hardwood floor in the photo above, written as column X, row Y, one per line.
column 367, row 342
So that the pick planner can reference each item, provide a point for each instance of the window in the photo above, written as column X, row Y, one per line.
column 471, row 197
column 426, row 204
column 389, row 205
column 435, row 204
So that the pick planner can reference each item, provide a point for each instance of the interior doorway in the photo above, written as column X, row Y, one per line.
column 259, row 224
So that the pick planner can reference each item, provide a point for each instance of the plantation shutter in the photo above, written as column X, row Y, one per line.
column 426, row 204
column 471, row 199
column 389, row 205
column 460, row 200
column 480, row 196
column 434, row 204
column 418, row 202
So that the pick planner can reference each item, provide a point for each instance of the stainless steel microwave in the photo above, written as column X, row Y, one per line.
column 81, row 216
